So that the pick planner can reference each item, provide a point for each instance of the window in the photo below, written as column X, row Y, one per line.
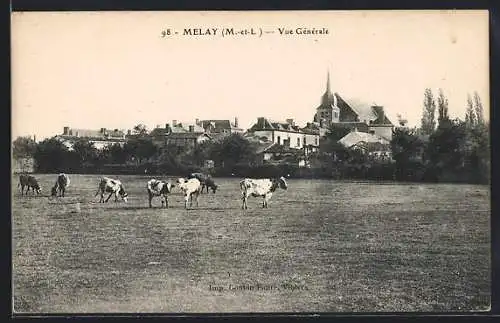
column 278, row 140
column 298, row 142
column 304, row 141
column 336, row 114
column 316, row 141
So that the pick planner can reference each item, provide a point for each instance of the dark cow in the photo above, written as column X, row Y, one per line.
column 206, row 181
column 29, row 181
column 111, row 186
column 62, row 182
column 159, row 188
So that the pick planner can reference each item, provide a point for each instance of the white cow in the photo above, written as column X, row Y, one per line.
column 191, row 188
column 159, row 188
column 111, row 186
column 260, row 187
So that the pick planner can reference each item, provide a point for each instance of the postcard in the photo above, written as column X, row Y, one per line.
column 250, row 162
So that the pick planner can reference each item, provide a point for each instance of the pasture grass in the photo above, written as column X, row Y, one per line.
column 321, row 246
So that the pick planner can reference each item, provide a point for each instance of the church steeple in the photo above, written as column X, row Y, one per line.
column 328, row 97
column 328, row 90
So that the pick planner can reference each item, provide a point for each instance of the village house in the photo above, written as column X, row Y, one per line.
column 372, row 145
column 351, row 113
column 286, row 133
column 183, row 135
column 100, row 138
column 283, row 142
column 220, row 128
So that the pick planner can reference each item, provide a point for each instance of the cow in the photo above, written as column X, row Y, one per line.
column 206, row 181
column 159, row 188
column 191, row 188
column 29, row 181
column 260, row 187
column 111, row 186
column 62, row 182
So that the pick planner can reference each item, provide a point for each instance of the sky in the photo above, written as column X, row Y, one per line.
column 114, row 69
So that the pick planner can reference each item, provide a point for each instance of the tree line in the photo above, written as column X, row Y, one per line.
column 440, row 149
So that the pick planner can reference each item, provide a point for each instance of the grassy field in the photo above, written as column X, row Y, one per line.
column 322, row 246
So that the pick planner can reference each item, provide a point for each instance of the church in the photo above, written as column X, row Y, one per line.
column 353, row 114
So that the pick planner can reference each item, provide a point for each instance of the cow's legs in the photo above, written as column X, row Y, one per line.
column 244, row 199
column 166, row 201
column 150, row 199
column 266, row 200
column 196, row 195
column 109, row 196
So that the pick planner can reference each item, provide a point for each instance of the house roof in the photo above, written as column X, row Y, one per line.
column 184, row 127
column 186, row 135
column 90, row 133
column 267, row 124
column 356, row 137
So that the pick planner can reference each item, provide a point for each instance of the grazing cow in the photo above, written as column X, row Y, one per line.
column 206, row 181
column 29, row 181
column 260, row 187
column 159, row 188
column 111, row 186
column 191, row 188
column 61, row 184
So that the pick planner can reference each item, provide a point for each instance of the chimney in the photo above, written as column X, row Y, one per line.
column 174, row 123
column 197, row 121
column 380, row 112
column 236, row 122
column 34, row 138
column 66, row 131
column 103, row 130
column 260, row 122
column 290, row 122
column 191, row 128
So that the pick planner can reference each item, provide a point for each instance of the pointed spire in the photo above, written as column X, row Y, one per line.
column 328, row 81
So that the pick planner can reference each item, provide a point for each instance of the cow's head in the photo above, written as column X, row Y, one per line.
column 37, row 188
column 123, row 194
column 214, row 188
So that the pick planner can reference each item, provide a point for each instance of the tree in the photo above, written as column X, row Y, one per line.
column 140, row 149
column 335, row 132
column 442, row 103
column 85, row 151
column 428, row 122
column 470, row 113
column 231, row 150
column 23, row 147
column 478, row 107
column 140, row 129
column 113, row 154
column 445, row 146
column 406, row 146
column 51, row 156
